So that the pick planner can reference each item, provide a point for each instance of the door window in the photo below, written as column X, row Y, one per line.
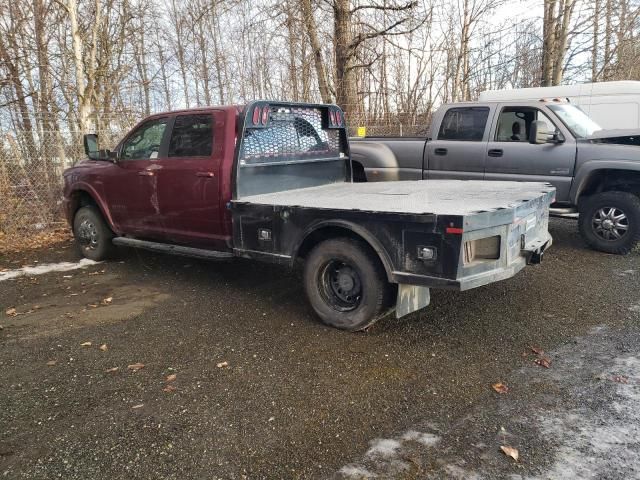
column 464, row 124
column 514, row 123
column 192, row 136
column 144, row 143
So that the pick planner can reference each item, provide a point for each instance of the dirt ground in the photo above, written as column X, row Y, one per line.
column 262, row 390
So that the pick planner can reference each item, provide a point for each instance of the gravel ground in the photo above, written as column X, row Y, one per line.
column 262, row 390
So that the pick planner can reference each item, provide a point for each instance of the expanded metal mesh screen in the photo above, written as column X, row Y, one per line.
column 290, row 133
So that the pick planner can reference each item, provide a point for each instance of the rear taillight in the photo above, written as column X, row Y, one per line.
column 339, row 118
column 256, row 115
column 265, row 114
column 332, row 118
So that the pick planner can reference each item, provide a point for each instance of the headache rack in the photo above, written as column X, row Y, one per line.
column 284, row 146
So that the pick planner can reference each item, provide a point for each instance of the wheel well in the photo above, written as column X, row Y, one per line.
column 81, row 198
column 609, row 180
column 328, row 232
column 359, row 175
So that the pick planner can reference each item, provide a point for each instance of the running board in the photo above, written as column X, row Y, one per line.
column 564, row 213
column 172, row 249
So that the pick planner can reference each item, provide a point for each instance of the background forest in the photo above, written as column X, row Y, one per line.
column 74, row 66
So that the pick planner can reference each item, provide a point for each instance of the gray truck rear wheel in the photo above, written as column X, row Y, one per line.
column 610, row 221
column 93, row 235
column 345, row 284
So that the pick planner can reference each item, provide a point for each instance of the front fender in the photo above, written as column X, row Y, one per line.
column 590, row 168
column 87, row 188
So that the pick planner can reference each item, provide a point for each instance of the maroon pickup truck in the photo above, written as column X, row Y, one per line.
column 273, row 181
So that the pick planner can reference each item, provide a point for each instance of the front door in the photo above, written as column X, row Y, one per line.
column 189, row 181
column 130, row 184
column 458, row 150
column 510, row 156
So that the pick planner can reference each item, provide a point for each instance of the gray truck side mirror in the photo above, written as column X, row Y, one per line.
column 539, row 133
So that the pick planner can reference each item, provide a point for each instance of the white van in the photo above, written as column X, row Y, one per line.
column 613, row 105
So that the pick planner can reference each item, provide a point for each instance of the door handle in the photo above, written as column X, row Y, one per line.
column 440, row 151
column 495, row 152
column 146, row 173
column 205, row 174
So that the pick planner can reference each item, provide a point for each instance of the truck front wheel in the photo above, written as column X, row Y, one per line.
column 93, row 235
column 610, row 221
column 345, row 284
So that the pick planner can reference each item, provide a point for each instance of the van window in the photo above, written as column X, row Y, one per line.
column 464, row 124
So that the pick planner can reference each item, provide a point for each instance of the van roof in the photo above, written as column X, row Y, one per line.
column 581, row 89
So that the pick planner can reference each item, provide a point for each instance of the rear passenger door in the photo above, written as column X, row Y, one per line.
column 459, row 149
column 510, row 156
column 189, row 181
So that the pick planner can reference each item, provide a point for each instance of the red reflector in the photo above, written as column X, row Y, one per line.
column 455, row 230
column 265, row 115
column 256, row 115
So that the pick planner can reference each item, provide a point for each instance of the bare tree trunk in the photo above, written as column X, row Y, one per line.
column 316, row 50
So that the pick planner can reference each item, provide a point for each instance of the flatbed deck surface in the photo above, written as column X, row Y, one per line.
column 439, row 197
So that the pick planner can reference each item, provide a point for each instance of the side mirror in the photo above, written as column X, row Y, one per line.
column 91, row 146
column 92, row 151
column 539, row 133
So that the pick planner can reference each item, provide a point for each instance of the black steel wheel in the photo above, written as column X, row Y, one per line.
column 93, row 235
column 610, row 221
column 346, row 284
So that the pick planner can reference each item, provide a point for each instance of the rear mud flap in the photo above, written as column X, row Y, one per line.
column 411, row 298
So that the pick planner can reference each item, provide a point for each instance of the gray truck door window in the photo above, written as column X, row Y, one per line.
column 510, row 156
column 458, row 150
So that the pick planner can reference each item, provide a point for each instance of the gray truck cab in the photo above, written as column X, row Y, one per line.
column 596, row 172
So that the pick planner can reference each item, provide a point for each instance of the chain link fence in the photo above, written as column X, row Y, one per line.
column 31, row 166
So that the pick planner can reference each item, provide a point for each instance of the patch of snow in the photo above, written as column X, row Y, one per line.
column 384, row 447
column 427, row 439
column 46, row 268
column 356, row 471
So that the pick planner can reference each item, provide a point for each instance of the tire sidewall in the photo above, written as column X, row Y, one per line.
column 105, row 235
column 627, row 203
column 373, row 288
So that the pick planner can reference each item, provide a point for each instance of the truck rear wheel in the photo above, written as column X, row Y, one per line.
column 93, row 235
column 610, row 221
column 345, row 284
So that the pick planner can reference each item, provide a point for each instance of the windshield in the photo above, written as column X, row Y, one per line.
column 576, row 120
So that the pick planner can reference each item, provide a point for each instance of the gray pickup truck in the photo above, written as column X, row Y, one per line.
column 596, row 172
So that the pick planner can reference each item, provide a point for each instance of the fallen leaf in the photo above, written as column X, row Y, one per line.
column 140, row 405
column 172, row 377
column 103, row 347
column 51, row 363
column 113, row 369
column 222, row 364
column 169, row 388
column 136, row 366
column 536, row 350
column 11, row 312
column 510, row 452
column 620, row 379
column 107, row 301
column 500, row 387
column 85, row 344
column 543, row 362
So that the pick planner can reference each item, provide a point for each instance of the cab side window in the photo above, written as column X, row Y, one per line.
column 464, row 124
column 144, row 143
column 514, row 123
column 192, row 136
